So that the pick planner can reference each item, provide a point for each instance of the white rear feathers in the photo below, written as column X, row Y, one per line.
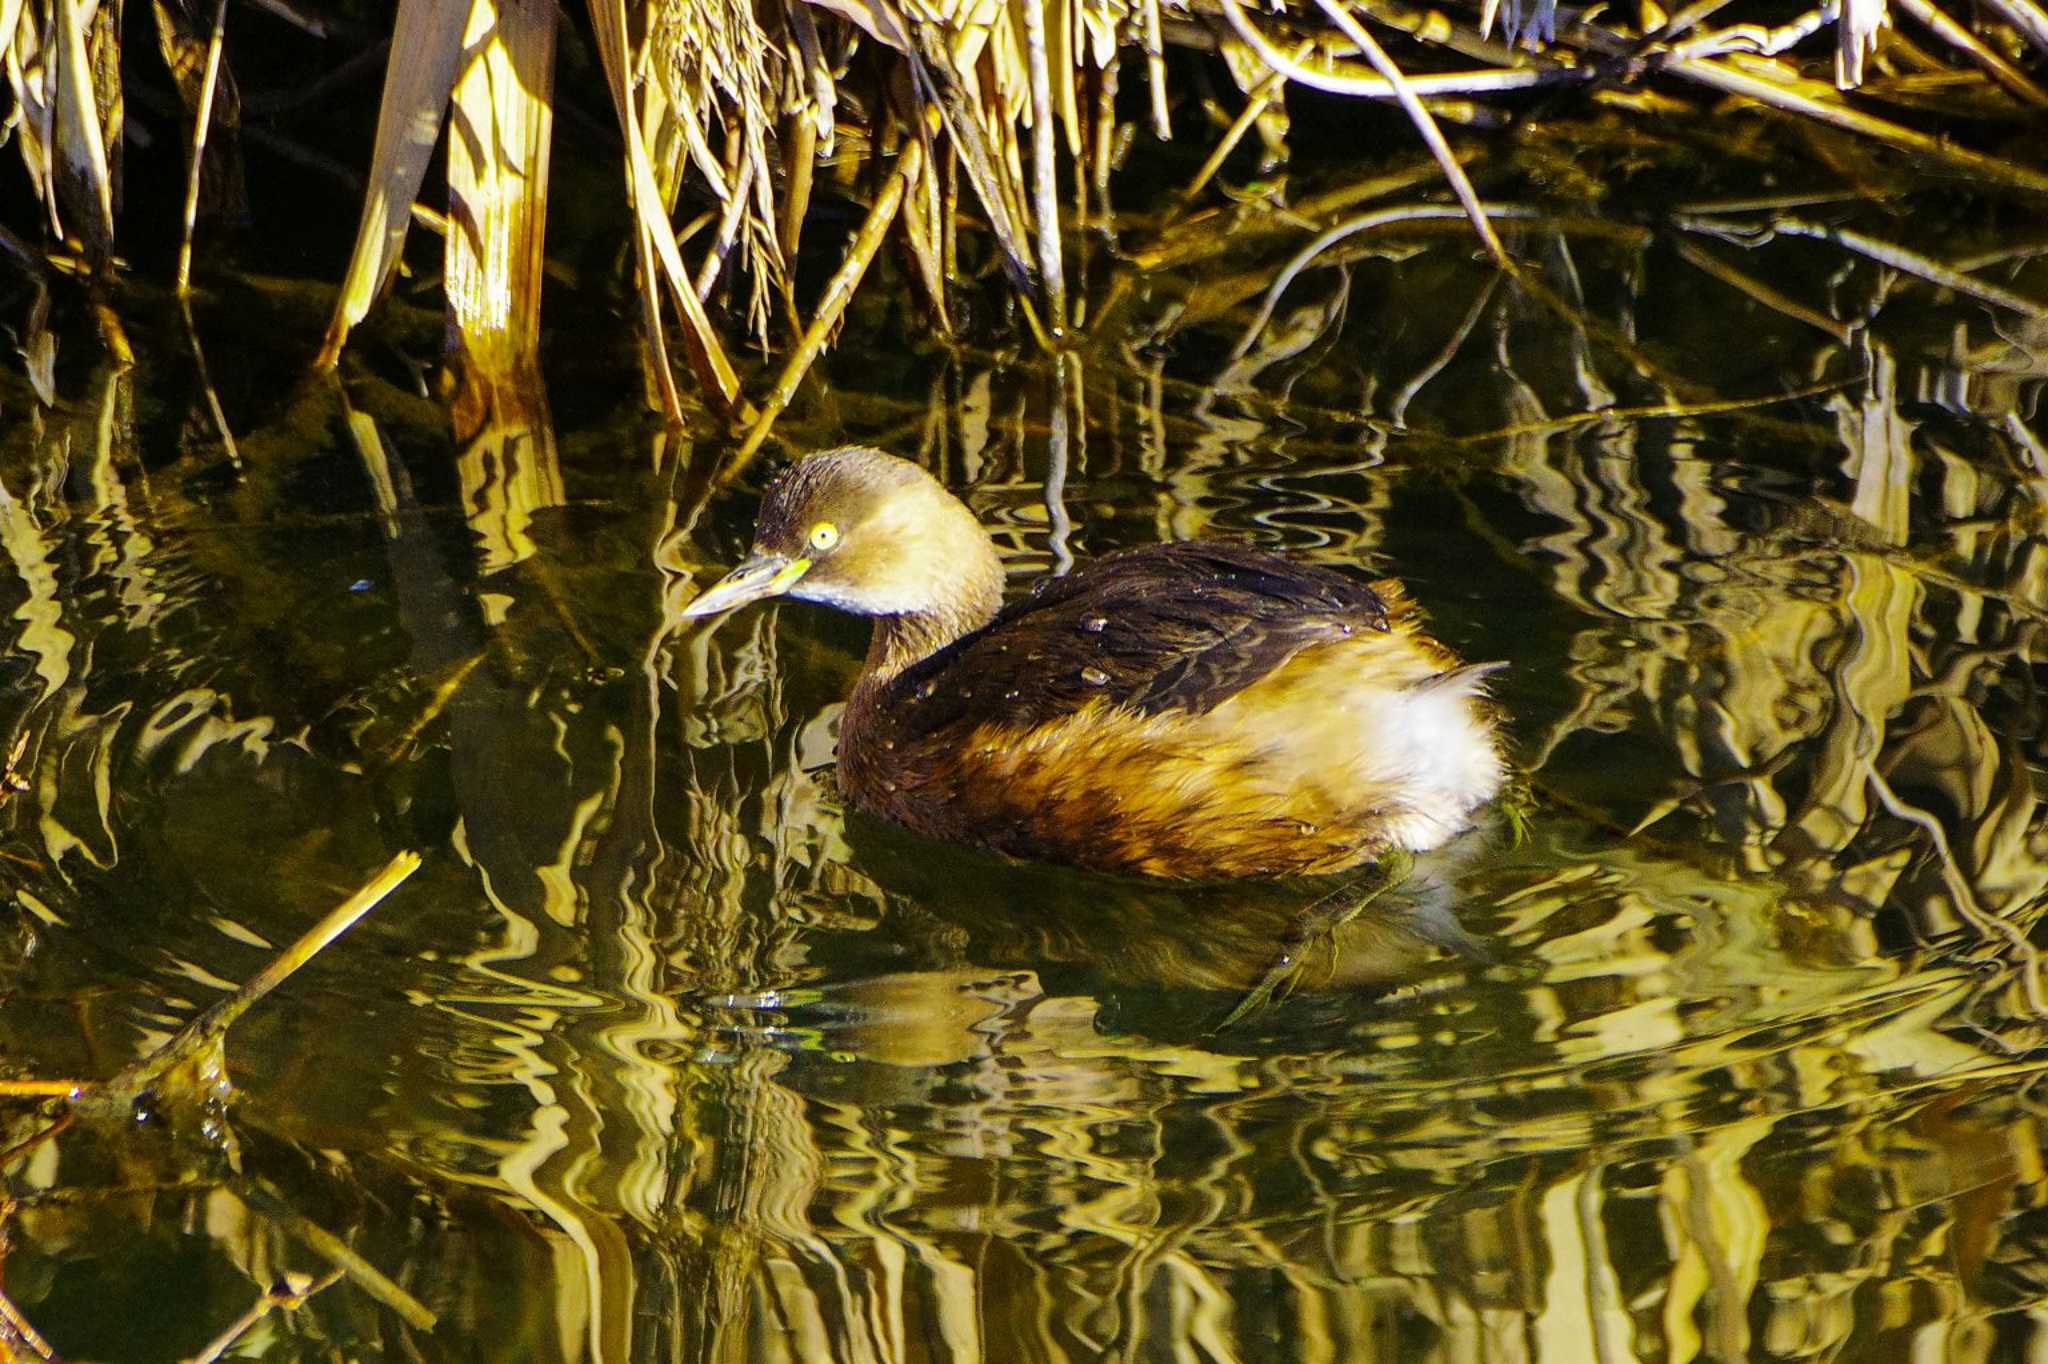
column 1432, row 742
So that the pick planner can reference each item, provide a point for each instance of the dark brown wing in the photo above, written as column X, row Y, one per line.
column 1166, row 627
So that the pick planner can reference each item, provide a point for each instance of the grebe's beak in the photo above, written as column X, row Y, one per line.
column 764, row 575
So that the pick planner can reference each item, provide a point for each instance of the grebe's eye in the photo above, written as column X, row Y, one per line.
column 824, row 535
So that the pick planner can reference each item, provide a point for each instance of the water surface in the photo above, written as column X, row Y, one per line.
column 665, row 1055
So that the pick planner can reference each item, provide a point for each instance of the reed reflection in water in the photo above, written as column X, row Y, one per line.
column 663, row 1055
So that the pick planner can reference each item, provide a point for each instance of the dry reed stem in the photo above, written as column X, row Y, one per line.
column 1044, row 165
column 331, row 1248
column 1763, row 293
column 1971, row 46
column 1257, row 101
column 213, row 407
column 1883, row 252
column 1432, row 137
column 1748, row 80
column 910, row 166
column 1352, row 227
column 201, row 122
column 19, row 1324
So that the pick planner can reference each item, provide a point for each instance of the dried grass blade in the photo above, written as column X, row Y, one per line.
column 28, row 75
column 910, row 165
column 800, row 156
column 921, row 231
column 817, row 71
column 937, row 85
column 655, row 238
column 736, row 206
column 10, row 20
column 425, row 46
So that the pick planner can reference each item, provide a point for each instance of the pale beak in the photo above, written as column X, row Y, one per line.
column 764, row 575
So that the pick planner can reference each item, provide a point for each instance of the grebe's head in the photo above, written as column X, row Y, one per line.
column 869, row 533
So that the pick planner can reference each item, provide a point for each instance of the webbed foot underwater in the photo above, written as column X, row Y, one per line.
column 1196, row 711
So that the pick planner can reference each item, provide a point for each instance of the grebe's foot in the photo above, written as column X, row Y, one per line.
column 1317, row 926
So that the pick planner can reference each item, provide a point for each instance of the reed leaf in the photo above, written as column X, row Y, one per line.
column 81, row 171
column 501, row 136
column 425, row 47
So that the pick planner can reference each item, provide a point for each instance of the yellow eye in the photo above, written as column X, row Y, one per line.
column 824, row 535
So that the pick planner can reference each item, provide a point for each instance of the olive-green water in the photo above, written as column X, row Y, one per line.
column 663, row 1055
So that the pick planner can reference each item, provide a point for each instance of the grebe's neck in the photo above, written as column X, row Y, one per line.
column 901, row 640
column 921, row 566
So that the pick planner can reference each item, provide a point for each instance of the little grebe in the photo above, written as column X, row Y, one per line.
column 1196, row 711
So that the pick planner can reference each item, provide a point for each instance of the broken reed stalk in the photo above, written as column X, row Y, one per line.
column 211, row 1025
column 286, row 1296
column 910, row 165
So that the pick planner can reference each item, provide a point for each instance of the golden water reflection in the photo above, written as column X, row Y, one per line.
column 663, row 1055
